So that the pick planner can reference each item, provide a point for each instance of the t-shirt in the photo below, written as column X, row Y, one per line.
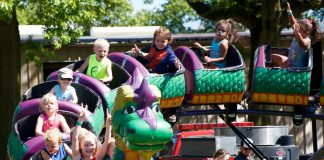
column 65, row 96
column 297, row 56
column 162, row 61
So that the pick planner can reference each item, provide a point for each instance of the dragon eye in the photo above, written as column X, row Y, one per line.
column 129, row 110
column 156, row 107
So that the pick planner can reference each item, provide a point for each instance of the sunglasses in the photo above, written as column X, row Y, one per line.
column 64, row 79
column 246, row 149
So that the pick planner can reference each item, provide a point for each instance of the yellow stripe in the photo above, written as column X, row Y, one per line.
column 281, row 98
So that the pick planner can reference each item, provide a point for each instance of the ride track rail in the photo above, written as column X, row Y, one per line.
column 246, row 112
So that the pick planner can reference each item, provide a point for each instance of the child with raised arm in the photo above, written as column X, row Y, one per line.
column 54, row 148
column 49, row 118
column 64, row 91
column 225, row 35
column 161, row 56
column 306, row 32
column 85, row 144
column 99, row 66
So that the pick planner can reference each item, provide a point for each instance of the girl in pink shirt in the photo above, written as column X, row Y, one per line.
column 49, row 118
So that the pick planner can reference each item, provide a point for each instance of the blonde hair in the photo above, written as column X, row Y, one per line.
column 53, row 135
column 101, row 42
column 220, row 153
column 46, row 99
column 163, row 32
column 84, row 134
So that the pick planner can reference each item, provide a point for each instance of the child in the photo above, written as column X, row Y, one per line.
column 54, row 148
column 245, row 152
column 85, row 144
column 305, row 32
column 99, row 66
column 64, row 91
column 220, row 155
column 49, row 118
column 161, row 56
column 225, row 34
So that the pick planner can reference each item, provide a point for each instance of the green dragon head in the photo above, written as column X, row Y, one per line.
column 138, row 124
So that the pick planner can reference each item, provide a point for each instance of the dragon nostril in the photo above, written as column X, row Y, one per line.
column 132, row 131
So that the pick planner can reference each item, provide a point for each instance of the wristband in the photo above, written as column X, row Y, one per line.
column 289, row 13
column 141, row 53
column 78, row 123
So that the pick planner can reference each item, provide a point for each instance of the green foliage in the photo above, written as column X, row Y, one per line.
column 64, row 20
column 35, row 51
column 6, row 7
column 113, row 13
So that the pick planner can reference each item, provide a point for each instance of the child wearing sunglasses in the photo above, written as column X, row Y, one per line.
column 225, row 34
column 64, row 91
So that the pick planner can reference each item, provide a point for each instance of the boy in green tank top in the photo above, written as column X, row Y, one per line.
column 99, row 66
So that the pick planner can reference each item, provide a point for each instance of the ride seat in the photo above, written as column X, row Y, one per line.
column 233, row 57
column 120, row 76
column 25, row 127
column 85, row 95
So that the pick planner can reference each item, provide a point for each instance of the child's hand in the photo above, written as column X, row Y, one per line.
column 198, row 45
column 177, row 63
column 135, row 50
column 108, row 119
column 82, row 115
column 207, row 59
column 288, row 7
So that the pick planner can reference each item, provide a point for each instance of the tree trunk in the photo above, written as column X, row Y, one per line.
column 10, row 63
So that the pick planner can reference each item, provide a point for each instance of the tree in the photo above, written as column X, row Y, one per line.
column 64, row 22
column 265, row 19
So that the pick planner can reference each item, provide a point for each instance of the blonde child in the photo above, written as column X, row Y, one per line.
column 99, row 66
column 225, row 34
column 64, row 91
column 54, row 148
column 161, row 56
column 49, row 118
column 221, row 155
column 306, row 31
column 85, row 144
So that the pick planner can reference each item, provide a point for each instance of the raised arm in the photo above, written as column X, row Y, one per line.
column 103, row 150
column 291, row 18
column 138, row 52
column 303, row 42
column 76, row 155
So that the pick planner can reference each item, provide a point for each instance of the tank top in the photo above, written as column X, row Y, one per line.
column 48, row 124
column 97, row 69
column 61, row 154
column 297, row 56
column 66, row 96
column 215, row 52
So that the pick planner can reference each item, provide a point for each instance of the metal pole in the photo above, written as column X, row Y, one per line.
column 243, row 138
column 314, row 132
